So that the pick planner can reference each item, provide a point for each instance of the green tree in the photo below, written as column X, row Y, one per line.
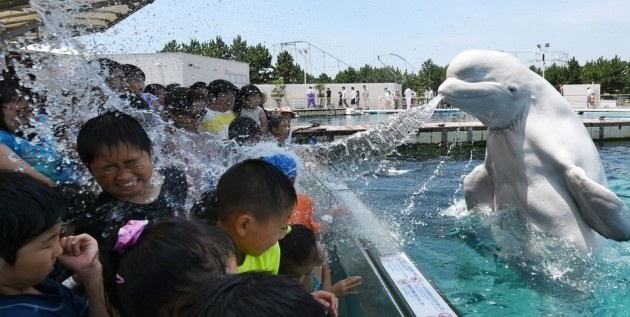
column 238, row 50
column 348, row 75
column 431, row 75
column 260, row 68
column 574, row 72
column 287, row 69
column 170, row 47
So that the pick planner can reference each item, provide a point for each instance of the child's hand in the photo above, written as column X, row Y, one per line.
column 80, row 254
column 346, row 286
column 329, row 300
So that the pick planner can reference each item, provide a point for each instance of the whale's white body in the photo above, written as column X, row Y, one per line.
column 540, row 160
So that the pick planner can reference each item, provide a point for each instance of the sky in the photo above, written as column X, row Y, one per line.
column 358, row 32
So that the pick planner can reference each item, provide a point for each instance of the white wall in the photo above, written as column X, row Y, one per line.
column 295, row 96
column 576, row 94
column 184, row 69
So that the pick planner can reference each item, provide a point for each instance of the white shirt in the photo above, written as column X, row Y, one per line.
column 408, row 93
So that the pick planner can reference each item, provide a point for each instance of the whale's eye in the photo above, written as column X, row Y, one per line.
column 512, row 89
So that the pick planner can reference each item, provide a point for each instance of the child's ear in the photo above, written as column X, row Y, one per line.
column 242, row 223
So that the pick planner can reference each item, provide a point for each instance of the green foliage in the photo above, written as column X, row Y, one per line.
column 287, row 69
column 278, row 91
column 257, row 56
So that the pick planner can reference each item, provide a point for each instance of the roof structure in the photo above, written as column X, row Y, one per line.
column 17, row 17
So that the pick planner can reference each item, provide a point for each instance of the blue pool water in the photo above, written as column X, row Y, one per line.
column 420, row 200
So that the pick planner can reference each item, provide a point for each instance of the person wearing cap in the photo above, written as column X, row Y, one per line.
column 221, row 94
column 303, row 211
column 310, row 98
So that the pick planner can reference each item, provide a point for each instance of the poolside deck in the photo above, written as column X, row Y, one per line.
column 460, row 132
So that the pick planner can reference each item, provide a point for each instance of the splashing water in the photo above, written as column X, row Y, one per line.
column 363, row 151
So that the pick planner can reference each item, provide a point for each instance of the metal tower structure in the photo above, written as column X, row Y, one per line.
column 314, row 60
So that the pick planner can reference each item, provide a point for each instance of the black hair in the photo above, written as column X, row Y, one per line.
column 298, row 248
column 245, row 92
column 132, row 70
column 106, row 66
column 251, row 294
column 206, row 208
column 153, row 88
column 181, row 99
column 109, row 129
column 255, row 186
column 274, row 122
column 219, row 86
column 10, row 91
column 170, row 259
column 244, row 130
column 199, row 85
column 28, row 208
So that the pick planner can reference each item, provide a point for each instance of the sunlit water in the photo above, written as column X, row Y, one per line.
column 457, row 250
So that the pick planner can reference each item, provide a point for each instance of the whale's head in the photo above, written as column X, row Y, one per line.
column 493, row 86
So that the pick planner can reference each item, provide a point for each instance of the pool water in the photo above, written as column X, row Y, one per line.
column 419, row 197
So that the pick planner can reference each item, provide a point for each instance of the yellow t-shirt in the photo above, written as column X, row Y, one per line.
column 217, row 122
column 269, row 261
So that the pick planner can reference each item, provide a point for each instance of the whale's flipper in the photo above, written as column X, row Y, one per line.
column 601, row 209
column 479, row 188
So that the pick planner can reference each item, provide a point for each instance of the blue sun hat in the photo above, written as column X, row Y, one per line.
column 284, row 163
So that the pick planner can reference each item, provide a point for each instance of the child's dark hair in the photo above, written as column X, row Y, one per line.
column 10, row 91
column 132, row 70
column 180, row 99
column 110, row 129
column 298, row 248
column 170, row 259
column 199, row 85
column 275, row 121
column 244, row 130
column 105, row 66
column 153, row 88
column 28, row 208
column 206, row 208
column 251, row 294
column 219, row 86
column 245, row 92
column 254, row 186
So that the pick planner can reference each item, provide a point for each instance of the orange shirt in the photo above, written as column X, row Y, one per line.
column 303, row 213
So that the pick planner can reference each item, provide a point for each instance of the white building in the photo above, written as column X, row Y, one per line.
column 184, row 69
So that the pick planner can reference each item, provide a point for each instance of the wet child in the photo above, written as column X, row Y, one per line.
column 249, row 104
column 148, row 268
column 302, row 261
column 304, row 207
column 30, row 244
column 119, row 154
column 221, row 96
column 253, row 203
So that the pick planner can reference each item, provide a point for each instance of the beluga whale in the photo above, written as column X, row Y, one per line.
column 540, row 159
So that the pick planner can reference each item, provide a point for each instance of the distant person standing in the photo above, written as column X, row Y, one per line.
column 590, row 98
column 340, row 99
column 430, row 94
column 366, row 95
column 397, row 96
column 408, row 97
column 310, row 98
column 388, row 99
column 353, row 97
column 328, row 96
column 343, row 96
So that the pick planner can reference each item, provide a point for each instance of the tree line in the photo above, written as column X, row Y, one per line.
column 613, row 74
